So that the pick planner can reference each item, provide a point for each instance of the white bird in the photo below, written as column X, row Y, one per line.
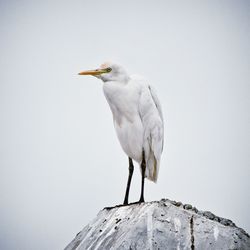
column 137, row 117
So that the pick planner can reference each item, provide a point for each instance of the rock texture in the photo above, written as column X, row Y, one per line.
column 159, row 225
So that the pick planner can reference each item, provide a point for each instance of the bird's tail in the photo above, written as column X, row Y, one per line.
column 152, row 168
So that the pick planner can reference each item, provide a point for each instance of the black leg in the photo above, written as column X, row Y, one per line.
column 143, row 169
column 131, row 170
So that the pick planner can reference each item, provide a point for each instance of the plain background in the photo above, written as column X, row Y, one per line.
column 60, row 160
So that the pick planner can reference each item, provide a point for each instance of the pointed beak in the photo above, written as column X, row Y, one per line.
column 94, row 72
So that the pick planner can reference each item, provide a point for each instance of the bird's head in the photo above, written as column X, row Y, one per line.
column 108, row 72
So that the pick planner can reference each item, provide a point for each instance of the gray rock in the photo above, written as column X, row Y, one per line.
column 187, row 206
column 159, row 225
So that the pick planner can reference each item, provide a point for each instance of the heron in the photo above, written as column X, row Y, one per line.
column 137, row 118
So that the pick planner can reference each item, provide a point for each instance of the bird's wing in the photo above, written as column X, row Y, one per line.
column 156, row 101
column 152, row 120
column 152, row 91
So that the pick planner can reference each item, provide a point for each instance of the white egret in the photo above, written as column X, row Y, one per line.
column 137, row 117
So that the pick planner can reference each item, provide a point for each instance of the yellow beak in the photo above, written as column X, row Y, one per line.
column 93, row 72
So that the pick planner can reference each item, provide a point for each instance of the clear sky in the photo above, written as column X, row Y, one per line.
column 60, row 160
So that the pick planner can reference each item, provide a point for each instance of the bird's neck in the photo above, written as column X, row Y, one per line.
column 121, row 79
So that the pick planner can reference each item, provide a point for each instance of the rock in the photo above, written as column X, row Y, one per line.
column 187, row 206
column 159, row 225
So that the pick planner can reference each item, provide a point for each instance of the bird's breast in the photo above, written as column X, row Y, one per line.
column 123, row 102
column 130, row 135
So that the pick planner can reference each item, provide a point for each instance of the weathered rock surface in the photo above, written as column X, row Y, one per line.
column 157, row 225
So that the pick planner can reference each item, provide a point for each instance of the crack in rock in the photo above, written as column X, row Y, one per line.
column 192, row 232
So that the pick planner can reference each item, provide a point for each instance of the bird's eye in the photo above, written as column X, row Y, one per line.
column 109, row 69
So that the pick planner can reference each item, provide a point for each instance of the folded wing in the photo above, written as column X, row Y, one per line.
column 153, row 138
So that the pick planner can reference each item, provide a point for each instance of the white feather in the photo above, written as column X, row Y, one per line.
column 137, row 117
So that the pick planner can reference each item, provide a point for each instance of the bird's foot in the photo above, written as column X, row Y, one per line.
column 125, row 203
column 141, row 200
column 137, row 202
column 109, row 208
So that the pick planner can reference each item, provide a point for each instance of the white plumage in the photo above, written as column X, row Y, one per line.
column 137, row 115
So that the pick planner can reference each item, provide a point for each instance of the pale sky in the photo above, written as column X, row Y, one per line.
column 60, row 160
